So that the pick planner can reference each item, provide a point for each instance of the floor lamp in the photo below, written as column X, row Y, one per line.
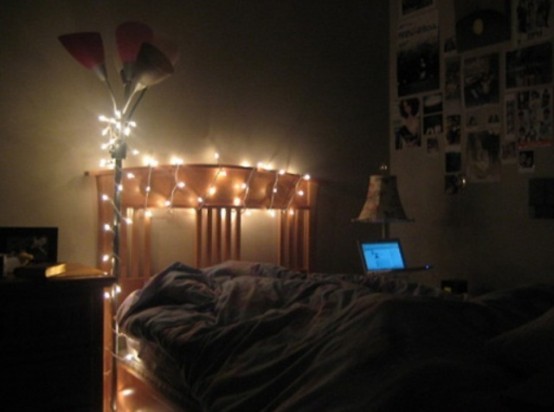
column 145, row 62
column 382, row 205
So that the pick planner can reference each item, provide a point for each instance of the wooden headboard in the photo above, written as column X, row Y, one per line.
column 218, row 200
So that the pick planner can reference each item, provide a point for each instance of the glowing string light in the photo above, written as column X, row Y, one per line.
column 274, row 190
column 178, row 183
column 212, row 188
column 106, row 198
column 151, row 163
column 295, row 191
column 242, row 190
column 246, row 186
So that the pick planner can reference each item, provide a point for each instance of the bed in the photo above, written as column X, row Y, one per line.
column 234, row 331
column 252, row 336
column 199, row 213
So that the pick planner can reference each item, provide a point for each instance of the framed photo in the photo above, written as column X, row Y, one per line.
column 39, row 242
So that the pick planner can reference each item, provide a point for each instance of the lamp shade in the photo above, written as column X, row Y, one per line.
column 167, row 47
column 382, row 204
column 129, row 38
column 88, row 49
column 152, row 66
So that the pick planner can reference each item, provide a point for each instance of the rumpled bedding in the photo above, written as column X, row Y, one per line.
column 259, row 337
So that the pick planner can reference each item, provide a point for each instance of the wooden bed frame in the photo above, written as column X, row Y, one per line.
column 136, row 394
column 217, row 196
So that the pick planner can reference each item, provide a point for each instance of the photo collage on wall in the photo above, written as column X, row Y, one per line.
column 418, row 71
column 481, row 99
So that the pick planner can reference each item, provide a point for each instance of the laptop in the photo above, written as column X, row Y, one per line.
column 385, row 256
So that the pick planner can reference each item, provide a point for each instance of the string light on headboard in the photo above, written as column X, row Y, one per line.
column 106, row 198
column 179, row 184
column 151, row 163
column 225, row 186
column 157, row 186
column 217, row 221
column 246, row 186
column 274, row 188
column 296, row 191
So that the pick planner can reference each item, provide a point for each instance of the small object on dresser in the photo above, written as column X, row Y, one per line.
column 51, row 270
column 455, row 286
column 39, row 270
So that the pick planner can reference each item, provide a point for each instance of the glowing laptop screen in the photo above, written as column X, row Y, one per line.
column 382, row 255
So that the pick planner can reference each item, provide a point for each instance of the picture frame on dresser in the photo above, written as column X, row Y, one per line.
column 39, row 244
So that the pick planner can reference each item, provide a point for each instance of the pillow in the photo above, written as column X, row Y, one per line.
column 520, row 304
column 229, row 268
column 529, row 347
column 150, row 295
column 234, row 268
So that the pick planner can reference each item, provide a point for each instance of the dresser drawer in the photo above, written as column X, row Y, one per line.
column 63, row 383
column 45, row 325
column 51, row 337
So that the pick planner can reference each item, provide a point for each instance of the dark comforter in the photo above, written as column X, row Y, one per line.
column 255, row 337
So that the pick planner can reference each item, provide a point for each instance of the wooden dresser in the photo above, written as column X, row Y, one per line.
column 51, row 337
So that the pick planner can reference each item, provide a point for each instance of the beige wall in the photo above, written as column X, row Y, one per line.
column 483, row 234
column 301, row 85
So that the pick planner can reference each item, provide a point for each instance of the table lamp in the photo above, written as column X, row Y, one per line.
column 382, row 204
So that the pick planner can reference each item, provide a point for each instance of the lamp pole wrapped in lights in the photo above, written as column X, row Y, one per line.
column 145, row 61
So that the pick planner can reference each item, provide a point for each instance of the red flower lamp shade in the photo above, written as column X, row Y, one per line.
column 144, row 61
column 167, row 47
column 88, row 49
column 129, row 38
column 152, row 66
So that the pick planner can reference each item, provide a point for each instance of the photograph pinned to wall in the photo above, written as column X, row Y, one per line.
column 508, row 152
column 432, row 103
column 453, row 135
column 526, row 161
column 483, row 118
column 417, row 59
column 529, row 66
column 432, row 145
column 532, row 20
column 432, row 114
column 407, row 123
column 453, row 161
column 432, row 124
column 529, row 117
column 452, row 84
column 510, row 103
column 450, row 46
column 448, row 32
column 483, row 156
column 481, row 80
column 481, row 23
column 408, row 7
